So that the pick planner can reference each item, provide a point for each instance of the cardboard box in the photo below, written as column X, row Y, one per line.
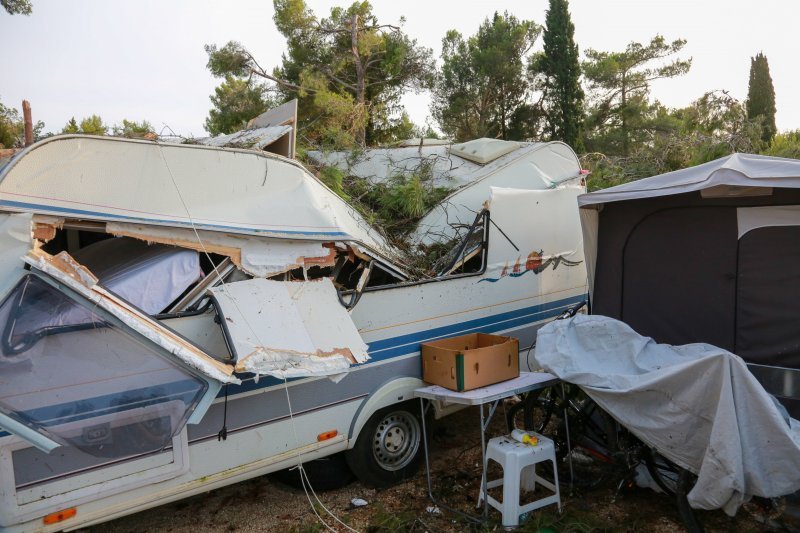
column 470, row 361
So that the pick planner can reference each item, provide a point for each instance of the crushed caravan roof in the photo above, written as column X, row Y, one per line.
column 255, row 139
column 516, row 165
column 448, row 166
column 217, row 189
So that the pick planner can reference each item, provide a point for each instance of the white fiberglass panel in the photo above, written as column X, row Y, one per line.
column 289, row 329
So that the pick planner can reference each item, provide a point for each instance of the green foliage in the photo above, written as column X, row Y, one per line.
column 761, row 97
column 12, row 129
column 620, row 115
column 348, row 71
column 394, row 129
column 394, row 205
column 785, row 144
column 230, row 60
column 560, row 71
column 93, row 125
column 333, row 177
column 133, row 129
column 482, row 89
column 711, row 127
column 236, row 101
column 71, row 126
column 17, row 7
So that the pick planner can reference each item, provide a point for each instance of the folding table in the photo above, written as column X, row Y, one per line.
column 491, row 395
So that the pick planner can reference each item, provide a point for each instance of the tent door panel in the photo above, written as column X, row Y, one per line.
column 768, row 296
column 679, row 276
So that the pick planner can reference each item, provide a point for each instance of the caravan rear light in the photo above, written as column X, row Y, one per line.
column 327, row 435
column 60, row 516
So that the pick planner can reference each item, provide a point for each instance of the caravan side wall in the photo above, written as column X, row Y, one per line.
column 518, row 291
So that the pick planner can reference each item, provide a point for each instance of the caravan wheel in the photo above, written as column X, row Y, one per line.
column 389, row 447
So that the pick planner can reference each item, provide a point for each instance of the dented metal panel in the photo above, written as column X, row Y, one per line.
column 256, row 138
column 223, row 190
column 289, row 329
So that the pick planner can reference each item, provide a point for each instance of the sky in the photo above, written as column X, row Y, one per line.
column 144, row 59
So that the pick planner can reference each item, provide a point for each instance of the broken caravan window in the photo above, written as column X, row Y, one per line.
column 464, row 257
column 157, row 279
column 92, row 384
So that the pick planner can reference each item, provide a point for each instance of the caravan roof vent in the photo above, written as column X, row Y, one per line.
column 483, row 150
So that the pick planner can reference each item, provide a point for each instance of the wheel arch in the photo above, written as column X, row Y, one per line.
column 391, row 392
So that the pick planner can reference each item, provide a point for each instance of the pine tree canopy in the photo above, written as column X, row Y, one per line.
column 761, row 97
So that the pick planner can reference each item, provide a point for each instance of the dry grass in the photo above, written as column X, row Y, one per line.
column 264, row 505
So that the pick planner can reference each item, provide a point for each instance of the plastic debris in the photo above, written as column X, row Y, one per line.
column 358, row 502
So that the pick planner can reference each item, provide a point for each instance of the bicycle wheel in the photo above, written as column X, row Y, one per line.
column 663, row 471
column 533, row 413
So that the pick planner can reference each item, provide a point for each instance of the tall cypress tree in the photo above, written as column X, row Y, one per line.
column 761, row 97
column 563, row 95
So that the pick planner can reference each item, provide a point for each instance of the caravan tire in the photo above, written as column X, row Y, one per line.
column 389, row 447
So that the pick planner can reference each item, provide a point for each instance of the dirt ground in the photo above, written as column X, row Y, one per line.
column 263, row 504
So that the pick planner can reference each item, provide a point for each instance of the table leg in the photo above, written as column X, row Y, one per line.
column 483, row 463
column 425, row 447
column 569, row 444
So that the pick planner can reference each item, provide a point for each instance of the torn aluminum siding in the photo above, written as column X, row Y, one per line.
column 524, row 166
column 217, row 189
column 260, row 258
column 289, row 329
column 255, row 139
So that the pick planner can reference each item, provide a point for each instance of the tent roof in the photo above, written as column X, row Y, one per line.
column 734, row 172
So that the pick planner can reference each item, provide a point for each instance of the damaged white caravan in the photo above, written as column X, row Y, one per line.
column 176, row 318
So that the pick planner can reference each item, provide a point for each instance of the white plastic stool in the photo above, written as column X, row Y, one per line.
column 515, row 457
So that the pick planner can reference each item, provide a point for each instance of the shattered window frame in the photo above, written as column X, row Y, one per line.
column 45, row 435
column 482, row 219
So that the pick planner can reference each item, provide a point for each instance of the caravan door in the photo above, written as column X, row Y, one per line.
column 84, row 382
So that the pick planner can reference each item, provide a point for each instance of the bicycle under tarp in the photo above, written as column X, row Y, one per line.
column 598, row 448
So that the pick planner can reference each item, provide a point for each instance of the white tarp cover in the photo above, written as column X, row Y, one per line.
column 150, row 276
column 697, row 404
column 289, row 329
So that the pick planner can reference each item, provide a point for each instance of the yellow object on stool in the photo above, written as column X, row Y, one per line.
column 514, row 457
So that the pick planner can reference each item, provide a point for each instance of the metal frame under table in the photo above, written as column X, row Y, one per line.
column 526, row 382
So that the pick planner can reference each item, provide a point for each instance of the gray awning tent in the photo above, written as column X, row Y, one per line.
column 705, row 254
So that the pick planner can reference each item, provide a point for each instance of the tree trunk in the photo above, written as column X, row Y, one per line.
column 26, row 114
column 361, row 82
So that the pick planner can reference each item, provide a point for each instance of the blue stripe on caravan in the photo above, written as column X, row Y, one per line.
column 409, row 343
column 406, row 344
column 67, row 210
